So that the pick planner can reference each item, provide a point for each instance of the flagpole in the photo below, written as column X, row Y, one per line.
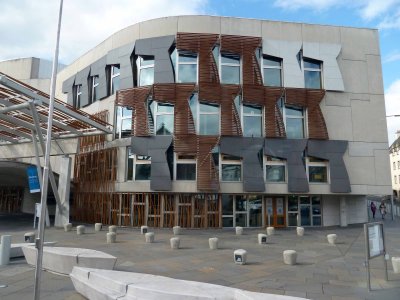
column 45, row 181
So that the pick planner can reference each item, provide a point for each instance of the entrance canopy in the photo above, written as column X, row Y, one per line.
column 24, row 110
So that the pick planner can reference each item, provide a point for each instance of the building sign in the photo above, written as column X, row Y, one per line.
column 33, row 179
column 375, row 240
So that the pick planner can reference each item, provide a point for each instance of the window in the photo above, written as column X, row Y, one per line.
column 205, row 116
column 145, row 70
column 312, row 73
column 231, row 168
column 114, row 78
column 77, row 93
column 272, row 71
column 294, row 118
column 162, row 115
column 185, row 167
column 230, row 68
column 123, row 126
column 398, row 165
column 394, row 165
column 187, row 66
column 251, row 117
column 94, row 83
column 317, row 170
column 304, row 210
column 275, row 170
column 395, row 179
column 139, row 166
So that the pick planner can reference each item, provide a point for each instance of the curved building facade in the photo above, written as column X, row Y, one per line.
column 223, row 122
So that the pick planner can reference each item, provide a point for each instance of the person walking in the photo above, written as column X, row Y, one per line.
column 373, row 209
column 382, row 210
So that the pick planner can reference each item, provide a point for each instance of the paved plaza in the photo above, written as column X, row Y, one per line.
column 323, row 271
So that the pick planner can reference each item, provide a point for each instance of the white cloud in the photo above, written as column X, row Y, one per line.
column 309, row 4
column 394, row 56
column 372, row 9
column 392, row 103
column 391, row 21
column 28, row 28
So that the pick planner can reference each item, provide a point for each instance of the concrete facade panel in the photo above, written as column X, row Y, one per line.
column 336, row 99
column 338, row 121
column 320, row 33
column 355, row 76
column 382, row 176
column 200, row 24
column 158, row 27
column 375, row 78
column 330, row 210
column 247, row 27
column 357, row 42
column 365, row 149
column 281, row 30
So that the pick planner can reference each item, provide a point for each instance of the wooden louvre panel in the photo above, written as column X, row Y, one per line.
column 274, row 125
column 202, row 44
column 230, row 120
column 310, row 99
column 136, row 98
column 246, row 46
column 207, row 174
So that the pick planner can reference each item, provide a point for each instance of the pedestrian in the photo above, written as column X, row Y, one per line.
column 373, row 209
column 382, row 210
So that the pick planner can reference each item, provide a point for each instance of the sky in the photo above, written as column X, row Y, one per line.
column 28, row 28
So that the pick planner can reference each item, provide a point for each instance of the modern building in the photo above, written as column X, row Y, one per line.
column 394, row 154
column 223, row 122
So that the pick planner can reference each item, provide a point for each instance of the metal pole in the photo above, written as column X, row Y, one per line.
column 367, row 257
column 39, row 240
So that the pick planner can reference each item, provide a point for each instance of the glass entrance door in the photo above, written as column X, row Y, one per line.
column 275, row 212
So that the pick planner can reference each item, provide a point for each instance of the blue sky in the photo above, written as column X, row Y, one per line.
column 87, row 23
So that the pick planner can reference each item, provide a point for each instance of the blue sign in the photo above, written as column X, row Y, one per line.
column 33, row 179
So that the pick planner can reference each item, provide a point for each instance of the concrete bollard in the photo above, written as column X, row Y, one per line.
column 80, row 229
column 177, row 230
column 396, row 264
column 270, row 230
column 331, row 238
column 67, row 227
column 290, row 257
column 262, row 238
column 111, row 237
column 240, row 256
column 175, row 241
column 149, row 236
column 112, row 228
column 29, row 237
column 300, row 231
column 98, row 227
column 5, row 249
column 144, row 229
column 239, row 230
column 213, row 243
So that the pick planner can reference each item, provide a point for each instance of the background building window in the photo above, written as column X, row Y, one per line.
column 123, row 123
column 185, row 167
column 272, row 71
column 312, row 73
column 294, row 118
column 114, row 78
column 231, row 168
column 317, row 170
column 230, row 68
column 394, row 165
column 275, row 170
column 94, row 83
column 205, row 116
column 395, row 179
column 77, row 94
column 146, row 70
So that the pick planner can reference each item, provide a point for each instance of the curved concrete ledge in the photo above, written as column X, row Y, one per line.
column 16, row 249
column 63, row 259
column 102, row 284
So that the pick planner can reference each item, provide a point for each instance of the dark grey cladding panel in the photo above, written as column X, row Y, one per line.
column 159, row 48
column 332, row 151
column 82, row 79
column 67, row 88
column 99, row 68
column 248, row 148
column 122, row 56
column 291, row 150
column 156, row 147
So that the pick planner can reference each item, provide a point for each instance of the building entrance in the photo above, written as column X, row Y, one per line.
column 275, row 212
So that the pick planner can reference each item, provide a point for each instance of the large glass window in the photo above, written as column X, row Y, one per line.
column 294, row 118
column 230, row 68
column 317, row 170
column 139, row 166
column 145, row 70
column 185, row 167
column 114, row 78
column 272, row 71
column 77, row 94
column 164, row 119
column 275, row 169
column 304, row 210
column 123, row 123
column 205, row 116
column 231, row 168
column 94, row 83
column 312, row 73
column 251, row 117
column 187, row 66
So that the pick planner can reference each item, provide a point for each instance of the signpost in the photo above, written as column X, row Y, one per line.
column 33, row 179
column 375, row 246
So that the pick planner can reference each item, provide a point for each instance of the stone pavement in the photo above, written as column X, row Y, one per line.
column 323, row 271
